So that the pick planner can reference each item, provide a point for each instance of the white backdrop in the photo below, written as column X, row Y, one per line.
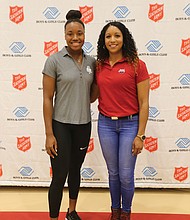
column 32, row 30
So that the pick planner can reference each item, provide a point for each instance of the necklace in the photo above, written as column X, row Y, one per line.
column 79, row 59
column 76, row 57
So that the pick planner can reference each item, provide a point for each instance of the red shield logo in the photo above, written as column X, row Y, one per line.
column 23, row 143
column 185, row 47
column 50, row 48
column 1, row 170
column 156, row 12
column 19, row 81
column 181, row 173
column 87, row 14
column 16, row 14
column 183, row 113
column 154, row 81
column 151, row 144
column 91, row 145
column 51, row 172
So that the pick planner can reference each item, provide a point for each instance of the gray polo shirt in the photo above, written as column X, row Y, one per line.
column 73, row 82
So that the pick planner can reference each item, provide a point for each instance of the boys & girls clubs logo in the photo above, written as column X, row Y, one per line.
column 184, row 82
column 150, row 174
column 120, row 13
column 153, row 115
column 17, row 49
column 182, row 145
column 51, row 16
column 26, row 172
column 20, row 114
column 153, row 48
column 186, row 12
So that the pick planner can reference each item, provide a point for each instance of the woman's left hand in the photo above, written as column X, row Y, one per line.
column 137, row 146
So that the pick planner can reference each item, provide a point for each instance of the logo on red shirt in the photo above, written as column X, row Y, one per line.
column 183, row 113
column 156, row 12
column 91, row 145
column 181, row 173
column 87, row 14
column 50, row 48
column 151, row 144
column 16, row 14
column 185, row 47
column 23, row 143
column 154, row 81
column 19, row 81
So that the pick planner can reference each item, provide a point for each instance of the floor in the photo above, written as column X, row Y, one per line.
column 169, row 201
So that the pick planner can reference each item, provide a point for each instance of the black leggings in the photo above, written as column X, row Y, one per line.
column 72, row 142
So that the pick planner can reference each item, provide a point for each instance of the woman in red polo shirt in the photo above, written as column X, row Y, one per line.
column 123, row 82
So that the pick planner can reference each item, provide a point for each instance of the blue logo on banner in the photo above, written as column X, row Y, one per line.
column 87, row 47
column 51, row 13
column 121, row 12
column 17, row 47
column 183, row 142
column 21, row 112
column 153, row 112
column 26, row 171
column 87, row 173
column 187, row 10
column 185, row 79
column 149, row 171
column 153, row 46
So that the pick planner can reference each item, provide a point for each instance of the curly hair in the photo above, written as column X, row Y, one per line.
column 129, row 49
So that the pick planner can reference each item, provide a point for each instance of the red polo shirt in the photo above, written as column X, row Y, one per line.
column 118, row 87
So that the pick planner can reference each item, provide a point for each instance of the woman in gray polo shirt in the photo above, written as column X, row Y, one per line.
column 67, row 79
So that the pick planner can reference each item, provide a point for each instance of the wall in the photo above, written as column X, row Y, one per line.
column 30, row 31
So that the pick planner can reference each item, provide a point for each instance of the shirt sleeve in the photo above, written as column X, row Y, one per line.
column 142, row 72
column 50, row 67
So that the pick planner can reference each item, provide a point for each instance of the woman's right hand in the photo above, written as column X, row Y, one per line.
column 51, row 145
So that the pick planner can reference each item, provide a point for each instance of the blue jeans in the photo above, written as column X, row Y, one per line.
column 116, row 138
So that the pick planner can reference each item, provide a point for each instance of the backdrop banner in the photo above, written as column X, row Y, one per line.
column 30, row 31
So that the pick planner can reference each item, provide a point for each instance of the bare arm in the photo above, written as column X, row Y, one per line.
column 48, row 93
column 94, row 93
column 143, row 99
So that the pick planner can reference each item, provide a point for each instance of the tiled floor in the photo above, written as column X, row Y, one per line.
column 97, row 200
